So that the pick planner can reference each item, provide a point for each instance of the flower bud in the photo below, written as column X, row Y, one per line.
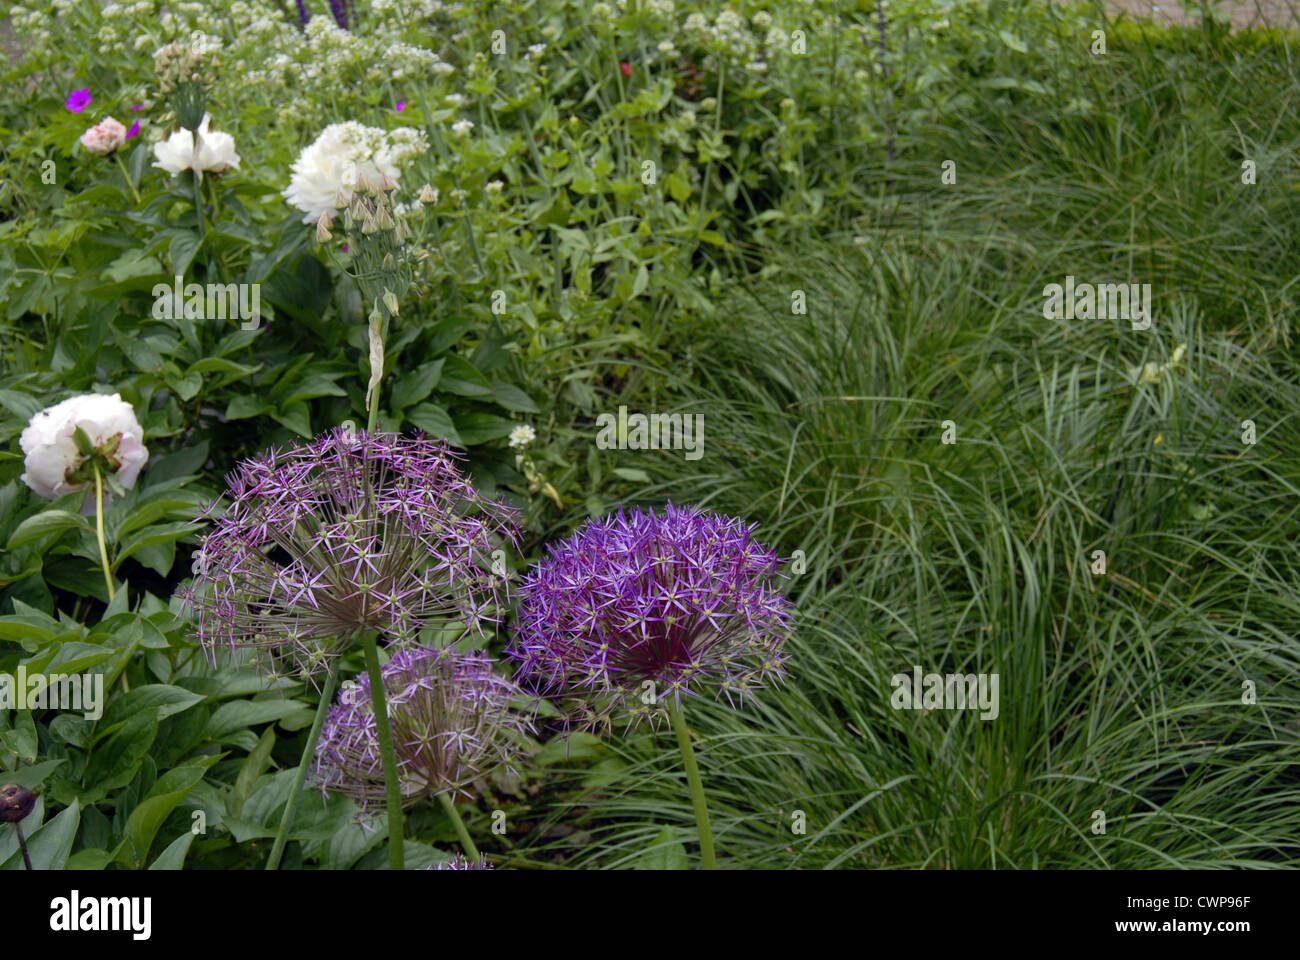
column 323, row 227
column 368, row 225
column 384, row 220
column 389, row 262
column 386, row 183
column 428, row 194
column 390, row 301
column 15, row 802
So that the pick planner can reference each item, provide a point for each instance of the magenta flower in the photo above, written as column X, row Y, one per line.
column 137, row 107
column 78, row 100
column 349, row 533
column 135, row 128
column 643, row 604
column 401, row 105
column 452, row 723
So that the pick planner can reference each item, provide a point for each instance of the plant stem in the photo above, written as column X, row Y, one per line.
column 697, row 788
column 466, row 842
column 99, row 532
column 290, row 808
column 122, row 166
column 372, row 388
column 198, row 197
column 22, row 843
column 389, row 757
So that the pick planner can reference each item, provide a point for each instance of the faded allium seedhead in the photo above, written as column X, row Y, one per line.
column 452, row 723
column 351, row 532
column 686, row 600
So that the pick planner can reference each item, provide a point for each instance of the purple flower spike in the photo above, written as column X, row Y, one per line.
column 685, row 600
column 461, row 862
column 452, row 723
column 78, row 100
column 340, row 10
column 349, row 533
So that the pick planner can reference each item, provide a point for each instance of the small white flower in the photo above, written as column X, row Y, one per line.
column 52, row 454
column 536, row 50
column 455, row 99
column 521, row 436
column 666, row 46
column 494, row 186
column 462, row 127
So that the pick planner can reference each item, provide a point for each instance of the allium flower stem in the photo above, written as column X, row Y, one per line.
column 466, row 841
column 376, row 373
column 697, row 788
column 308, row 752
column 384, row 730
column 99, row 532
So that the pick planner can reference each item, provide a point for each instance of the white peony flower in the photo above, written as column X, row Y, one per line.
column 53, row 460
column 521, row 436
column 345, row 156
column 216, row 151
column 104, row 137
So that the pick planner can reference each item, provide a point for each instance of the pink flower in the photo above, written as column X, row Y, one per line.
column 104, row 137
column 78, row 100
column 135, row 128
column 401, row 104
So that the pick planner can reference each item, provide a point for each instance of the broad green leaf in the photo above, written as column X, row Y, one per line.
column 45, row 523
column 666, row 853
column 173, row 858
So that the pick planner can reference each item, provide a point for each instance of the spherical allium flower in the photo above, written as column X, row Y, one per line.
column 349, row 533
column 55, row 465
column 685, row 600
column 452, row 723
column 104, row 137
column 461, row 862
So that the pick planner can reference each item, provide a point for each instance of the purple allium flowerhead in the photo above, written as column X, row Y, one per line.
column 349, row 533
column 78, row 100
column 452, row 720
column 461, row 862
column 685, row 600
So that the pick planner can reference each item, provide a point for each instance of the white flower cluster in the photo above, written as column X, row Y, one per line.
column 345, row 156
column 402, row 59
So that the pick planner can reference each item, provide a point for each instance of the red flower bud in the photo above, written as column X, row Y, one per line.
column 626, row 68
